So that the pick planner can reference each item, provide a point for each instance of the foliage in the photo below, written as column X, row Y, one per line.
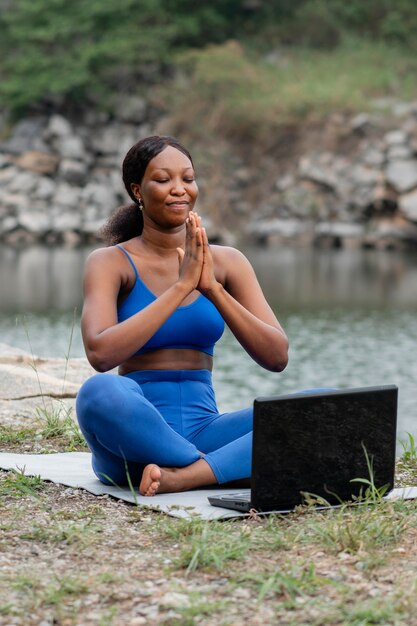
column 261, row 96
column 54, row 52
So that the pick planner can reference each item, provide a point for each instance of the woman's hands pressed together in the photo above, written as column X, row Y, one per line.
column 196, row 261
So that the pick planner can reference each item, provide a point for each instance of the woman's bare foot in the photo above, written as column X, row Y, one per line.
column 157, row 479
column 151, row 480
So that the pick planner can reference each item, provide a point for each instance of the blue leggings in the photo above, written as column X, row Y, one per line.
column 165, row 417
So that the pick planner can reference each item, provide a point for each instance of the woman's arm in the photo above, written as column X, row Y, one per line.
column 243, row 306
column 109, row 343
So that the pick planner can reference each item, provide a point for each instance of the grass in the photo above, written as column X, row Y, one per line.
column 16, row 484
column 228, row 90
column 116, row 560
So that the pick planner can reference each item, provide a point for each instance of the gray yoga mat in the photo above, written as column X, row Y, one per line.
column 73, row 469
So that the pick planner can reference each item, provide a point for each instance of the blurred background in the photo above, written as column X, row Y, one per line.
column 301, row 116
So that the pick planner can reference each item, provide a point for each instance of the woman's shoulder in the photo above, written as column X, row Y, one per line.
column 106, row 259
column 228, row 257
column 226, row 253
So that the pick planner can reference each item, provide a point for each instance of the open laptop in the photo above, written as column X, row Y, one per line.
column 314, row 442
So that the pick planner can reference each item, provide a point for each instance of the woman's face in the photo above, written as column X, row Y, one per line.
column 168, row 189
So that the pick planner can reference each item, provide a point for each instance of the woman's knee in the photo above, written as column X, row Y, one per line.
column 100, row 394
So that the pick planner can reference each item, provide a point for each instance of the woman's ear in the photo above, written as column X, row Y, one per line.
column 135, row 189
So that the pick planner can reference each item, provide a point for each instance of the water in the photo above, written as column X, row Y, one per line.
column 350, row 316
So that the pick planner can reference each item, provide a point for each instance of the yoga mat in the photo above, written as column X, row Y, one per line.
column 73, row 469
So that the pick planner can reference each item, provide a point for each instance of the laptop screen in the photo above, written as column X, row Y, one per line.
column 315, row 442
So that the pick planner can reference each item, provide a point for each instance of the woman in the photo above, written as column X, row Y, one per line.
column 154, row 306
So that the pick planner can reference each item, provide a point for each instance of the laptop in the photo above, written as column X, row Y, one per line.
column 316, row 443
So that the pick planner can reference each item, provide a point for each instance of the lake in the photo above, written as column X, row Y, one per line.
column 350, row 316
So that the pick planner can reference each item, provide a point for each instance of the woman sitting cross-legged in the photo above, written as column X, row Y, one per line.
column 155, row 303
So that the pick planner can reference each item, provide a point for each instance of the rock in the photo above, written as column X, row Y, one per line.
column 277, row 230
column 317, row 172
column 396, row 138
column 38, row 162
column 25, row 135
column 7, row 174
column 8, row 224
column 337, row 234
column 23, row 182
column 73, row 172
column 58, row 126
column 71, row 148
column 131, row 109
column 116, row 139
column 373, row 157
column 35, row 221
column 45, row 188
column 361, row 123
column 399, row 153
column 284, row 182
column 391, row 234
column 101, row 197
column 19, row 382
column 66, row 221
column 402, row 175
column 175, row 600
column 408, row 205
column 68, row 196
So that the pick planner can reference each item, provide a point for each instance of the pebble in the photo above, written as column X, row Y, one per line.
column 174, row 600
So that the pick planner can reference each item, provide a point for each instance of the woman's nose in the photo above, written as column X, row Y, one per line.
column 178, row 188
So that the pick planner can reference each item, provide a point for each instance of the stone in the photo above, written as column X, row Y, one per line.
column 20, row 382
column 8, row 224
column 38, row 162
column 68, row 196
column 7, row 174
column 35, row 221
column 340, row 230
column 402, row 175
column 361, row 123
column 391, row 233
column 131, row 109
column 58, row 126
column 286, row 229
column 73, row 172
column 23, row 182
column 396, row 138
column 99, row 196
column 71, row 147
column 284, row 182
column 67, row 220
column 45, row 188
column 174, row 600
column 312, row 170
column 106, row 140
column 15, row 202
column 373, row 157
column 24, row 135
column 408, row 205
column 399, row 152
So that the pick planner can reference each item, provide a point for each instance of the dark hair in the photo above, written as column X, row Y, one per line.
column 127, row 221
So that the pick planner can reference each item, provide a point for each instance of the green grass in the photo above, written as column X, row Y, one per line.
column 17, row 484
column 228, row 90
column 409, row 454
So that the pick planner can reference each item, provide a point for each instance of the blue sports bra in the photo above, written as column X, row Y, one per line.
column 196, row 326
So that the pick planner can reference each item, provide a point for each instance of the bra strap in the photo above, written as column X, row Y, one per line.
column 129, row 259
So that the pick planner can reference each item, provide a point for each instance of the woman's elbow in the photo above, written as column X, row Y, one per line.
column 100, row 362
column 278, row 360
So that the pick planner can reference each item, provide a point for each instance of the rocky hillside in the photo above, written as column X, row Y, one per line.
column 345, row 182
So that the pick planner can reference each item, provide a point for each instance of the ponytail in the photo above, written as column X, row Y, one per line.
column 125, row 223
